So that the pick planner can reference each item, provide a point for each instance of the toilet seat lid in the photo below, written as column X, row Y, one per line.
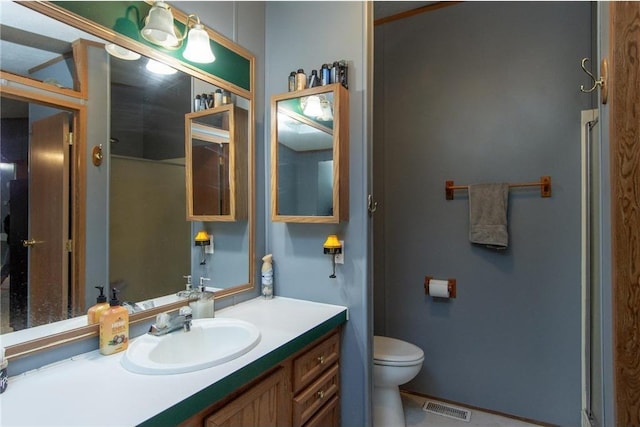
column 386, row 349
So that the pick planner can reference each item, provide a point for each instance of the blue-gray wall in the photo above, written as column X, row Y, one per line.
column 306, row 35
column 484, row 92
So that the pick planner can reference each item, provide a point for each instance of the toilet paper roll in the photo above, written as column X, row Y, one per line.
column 439, row 288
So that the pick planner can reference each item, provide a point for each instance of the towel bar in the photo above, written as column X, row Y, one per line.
column 544, row 184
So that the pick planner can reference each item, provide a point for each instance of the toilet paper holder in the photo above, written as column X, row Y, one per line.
column 451, row 286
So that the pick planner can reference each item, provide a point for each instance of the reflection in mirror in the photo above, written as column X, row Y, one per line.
column 216, row 149
column 307, row 145
column 305, row 157
column 36, row 168
column 24, row 39
column 209, row 162
column 138, row 118
column 149, row 238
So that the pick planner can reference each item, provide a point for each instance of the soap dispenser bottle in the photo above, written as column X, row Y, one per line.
column 114, row 327
column 203, row 307
column 267, row 276
column 95, row 311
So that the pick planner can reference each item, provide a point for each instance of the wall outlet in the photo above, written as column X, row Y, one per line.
column 340, row 257
column 209, row 248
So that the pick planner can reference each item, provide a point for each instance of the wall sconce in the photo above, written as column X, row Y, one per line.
column 203, row 240
column 159, row 29
column 333, row 247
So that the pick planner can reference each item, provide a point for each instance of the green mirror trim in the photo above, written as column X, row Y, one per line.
column 119, row 16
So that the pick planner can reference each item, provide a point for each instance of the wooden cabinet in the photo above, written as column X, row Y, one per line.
column 265, row 404
column 217, row 165
column 316, row 380
column 310, row 155
column 302, row 391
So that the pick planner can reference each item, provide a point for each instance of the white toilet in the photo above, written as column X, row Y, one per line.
column 395, row 362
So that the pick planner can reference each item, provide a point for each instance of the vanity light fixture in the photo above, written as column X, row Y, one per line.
column 203, row 239
column 333, row 247
column 198, row 46
column 159, row 29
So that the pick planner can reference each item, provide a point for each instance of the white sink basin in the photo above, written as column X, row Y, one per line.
column 210, row 342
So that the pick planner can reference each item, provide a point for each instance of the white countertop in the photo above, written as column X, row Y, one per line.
column 95, row 390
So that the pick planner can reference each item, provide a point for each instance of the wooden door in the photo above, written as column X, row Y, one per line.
column 624, row 136
column 49, row 220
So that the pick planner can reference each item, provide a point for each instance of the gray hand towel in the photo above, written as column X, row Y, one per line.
column 488, row 214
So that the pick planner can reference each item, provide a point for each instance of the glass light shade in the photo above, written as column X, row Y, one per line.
column 312, row 107
column 160, row 68
column 120, row 52
column 159, row 27
column 198, row 47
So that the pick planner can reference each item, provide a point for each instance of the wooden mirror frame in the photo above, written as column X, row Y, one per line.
column 236, row 200
column 48, row 342
column 340, row 155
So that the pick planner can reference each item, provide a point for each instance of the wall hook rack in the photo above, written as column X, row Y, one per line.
column 601, row 82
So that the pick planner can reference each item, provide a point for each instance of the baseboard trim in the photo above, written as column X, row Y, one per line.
column 477, row 408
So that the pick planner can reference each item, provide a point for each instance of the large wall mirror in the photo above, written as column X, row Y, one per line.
column 120, row 222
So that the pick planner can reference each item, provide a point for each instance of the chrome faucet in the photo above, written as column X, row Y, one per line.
column 166, row 322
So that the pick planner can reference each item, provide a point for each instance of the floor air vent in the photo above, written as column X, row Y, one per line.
column 447, row 410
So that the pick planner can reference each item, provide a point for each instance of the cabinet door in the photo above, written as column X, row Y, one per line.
column 263, row 405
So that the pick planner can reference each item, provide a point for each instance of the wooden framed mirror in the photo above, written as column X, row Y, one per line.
column 310, row 155
column 216, row 164
column 91, row 97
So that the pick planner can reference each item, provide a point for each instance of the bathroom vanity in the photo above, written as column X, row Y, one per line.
column 290, row 378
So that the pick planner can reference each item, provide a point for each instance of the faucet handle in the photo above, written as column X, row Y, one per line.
column 185, row 311
column 202, row 280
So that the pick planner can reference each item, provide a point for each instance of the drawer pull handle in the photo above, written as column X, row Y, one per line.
column 321, row 394
column 321, row 360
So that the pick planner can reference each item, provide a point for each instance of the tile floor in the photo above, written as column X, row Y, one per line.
column 416, row 417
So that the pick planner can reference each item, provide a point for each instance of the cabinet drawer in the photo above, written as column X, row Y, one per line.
column 327, row 416
column 311, row 364
column 307, row 403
